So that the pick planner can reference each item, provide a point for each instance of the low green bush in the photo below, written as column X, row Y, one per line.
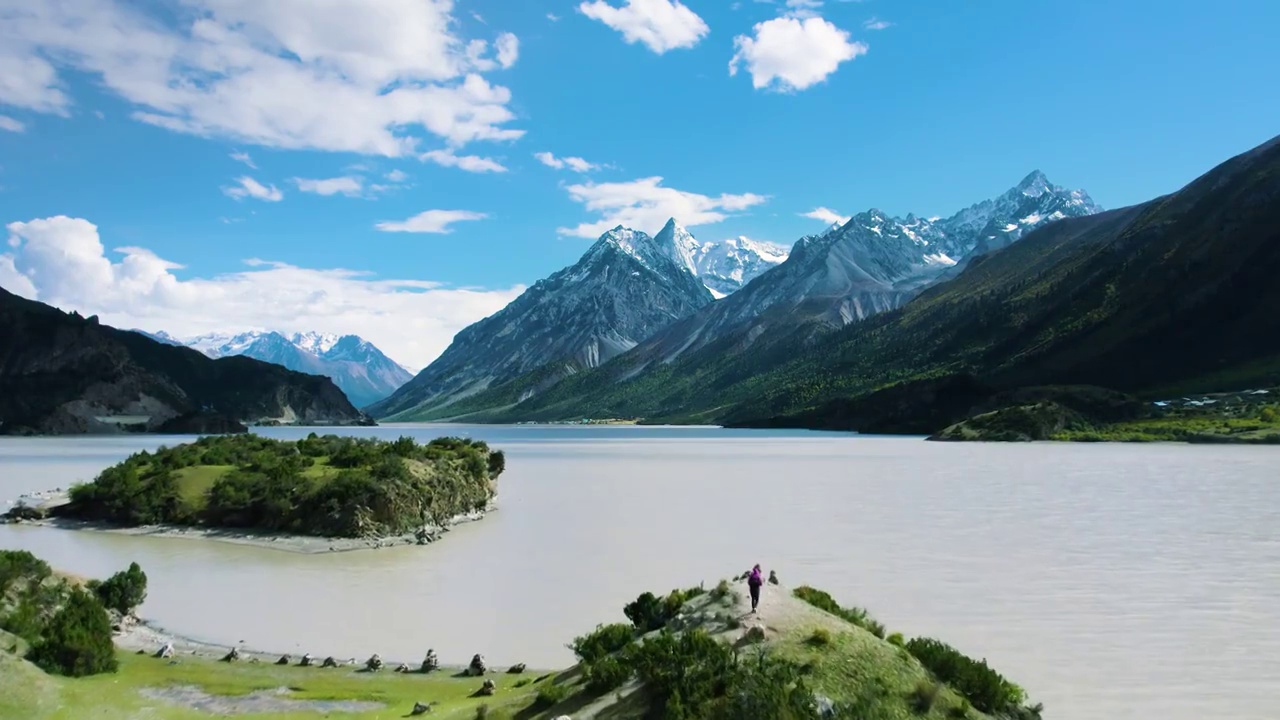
column 605, row 640
column 983, row 687
column 605, row 674
column 124, row 591
column 550, row 695
column 77, row 641
column 897, row 639
column 823, row 601
column 924, row 696
column 820, row 637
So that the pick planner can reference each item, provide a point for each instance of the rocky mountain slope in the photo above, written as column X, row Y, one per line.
column 872, row 264
column 358, row 367
column 624, row 289
column 62, row 373
column 1175, row 295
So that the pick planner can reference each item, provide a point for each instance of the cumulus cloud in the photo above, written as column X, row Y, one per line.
column 243, row 157
column 877, row 24
column 576, row 164
column 644, row 204
column 248, row 187
column 661, row 25
column 61, row 261
column 11, row 125
column 792, row 53
column 397, row 176
column 508, row 49
column 365, row 76
column 430, row 221
column 469, row 163
column 348, row 185
column 826, row 215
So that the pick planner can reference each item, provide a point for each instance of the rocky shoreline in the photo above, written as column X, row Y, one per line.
column 34, row 509
column 132, row 634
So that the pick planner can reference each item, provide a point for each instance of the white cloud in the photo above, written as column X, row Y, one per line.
column 508, row 49
column 365, row 76
column 553, row 17
column 430, row 221
column 397, row 176
column 348, row 185
column 248, row 187
column 789, row 53
column 243, row 157
column 470, row 163
column 661, row 25
column 29, row 81
column 576, row 164
column 804, row 8
column 877, row 24
column 826, row 215
column 644, row 204
column 61, row 261
column 10, row 124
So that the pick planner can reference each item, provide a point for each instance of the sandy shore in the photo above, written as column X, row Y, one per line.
column 304, row 544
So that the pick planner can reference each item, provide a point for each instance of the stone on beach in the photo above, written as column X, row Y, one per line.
column 284, row 660
column 477, row 666
column 329, row 662
column 420, row 709
column 232, row 656
column 517, row 668
column 402, row 668
column 430, row 662
column 488, row 688
column 305, row 661
column 374, row 663
column 773, row 577
column 165, row 652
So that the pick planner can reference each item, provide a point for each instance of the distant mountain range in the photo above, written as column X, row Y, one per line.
column 647, row 301
column 359, row 369
column 61, row 373
column 1173, row 296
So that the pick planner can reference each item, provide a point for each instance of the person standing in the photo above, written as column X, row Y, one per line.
column 754, row 581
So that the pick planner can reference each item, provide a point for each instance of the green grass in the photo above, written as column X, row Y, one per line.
column 195, row 481
column 854, row 665
column 28, row 694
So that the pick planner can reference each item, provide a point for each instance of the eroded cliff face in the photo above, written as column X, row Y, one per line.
column 61, row 373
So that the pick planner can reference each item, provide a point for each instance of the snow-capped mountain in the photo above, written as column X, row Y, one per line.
column 871, row 264
column 724, row 266
column 355, row 365
column 625, row 288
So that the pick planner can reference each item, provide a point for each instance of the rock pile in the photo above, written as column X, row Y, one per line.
column 430, row 662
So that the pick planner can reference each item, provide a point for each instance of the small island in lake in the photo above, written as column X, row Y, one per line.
column 319, row 486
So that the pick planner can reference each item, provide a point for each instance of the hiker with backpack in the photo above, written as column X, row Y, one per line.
column 754, row 581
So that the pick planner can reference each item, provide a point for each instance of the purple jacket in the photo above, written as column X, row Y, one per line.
column 755, row 578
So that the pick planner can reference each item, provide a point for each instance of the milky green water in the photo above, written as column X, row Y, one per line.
column 1112, row 581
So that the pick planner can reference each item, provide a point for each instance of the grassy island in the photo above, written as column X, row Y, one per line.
column 693, row 654
column 325, row 486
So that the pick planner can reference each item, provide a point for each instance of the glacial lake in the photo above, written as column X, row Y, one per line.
column 1111, row 581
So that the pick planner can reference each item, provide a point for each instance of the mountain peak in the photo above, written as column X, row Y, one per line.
column 1034, row 184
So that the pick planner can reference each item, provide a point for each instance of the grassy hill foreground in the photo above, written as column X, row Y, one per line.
column 692, row 654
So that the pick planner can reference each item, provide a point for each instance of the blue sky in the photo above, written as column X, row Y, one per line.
column 424, row 120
